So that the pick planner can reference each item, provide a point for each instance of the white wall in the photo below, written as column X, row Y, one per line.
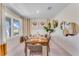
column 70, row 43
column 0, row 24
column 38, row 29
column 14, row 47
column 2, row 10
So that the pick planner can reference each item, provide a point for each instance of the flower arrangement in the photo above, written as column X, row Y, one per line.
column 49, row 27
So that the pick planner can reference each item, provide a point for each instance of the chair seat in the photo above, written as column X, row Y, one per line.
column 35, row 49
column 36, row 53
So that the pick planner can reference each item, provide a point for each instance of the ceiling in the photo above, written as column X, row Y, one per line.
column 37, row 10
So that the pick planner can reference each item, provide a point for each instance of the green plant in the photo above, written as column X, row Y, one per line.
column 48, row 28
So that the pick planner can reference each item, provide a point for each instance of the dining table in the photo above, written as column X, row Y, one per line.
column 37, row 41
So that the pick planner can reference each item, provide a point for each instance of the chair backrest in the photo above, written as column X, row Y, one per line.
column 23, row 39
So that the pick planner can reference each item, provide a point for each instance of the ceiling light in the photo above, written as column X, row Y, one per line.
column 49, row 8
column 37, row 11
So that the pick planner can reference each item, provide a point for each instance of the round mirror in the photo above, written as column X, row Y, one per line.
column 74, row 28
column 70, row 29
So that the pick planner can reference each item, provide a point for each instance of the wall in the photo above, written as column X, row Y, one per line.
column 0, row 24
column 38, row 28
column 14, row 47
column 2, row 10
column 0, row 29
column 3, row 49
column 25, row 27
column 70, row 43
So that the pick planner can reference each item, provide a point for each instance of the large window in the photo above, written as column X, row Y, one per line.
column 12, row 27
column 16, row 27
column 8, row 27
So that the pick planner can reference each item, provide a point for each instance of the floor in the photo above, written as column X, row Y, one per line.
column 55, row 50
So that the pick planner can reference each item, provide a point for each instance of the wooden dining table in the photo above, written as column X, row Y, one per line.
column 38, row 41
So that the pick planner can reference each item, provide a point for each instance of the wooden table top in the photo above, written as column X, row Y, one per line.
column 37, row 41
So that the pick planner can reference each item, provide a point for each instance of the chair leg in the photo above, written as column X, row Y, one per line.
column 28, row 51
column 25, row 50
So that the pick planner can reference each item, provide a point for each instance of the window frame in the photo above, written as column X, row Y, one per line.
column 12, row 18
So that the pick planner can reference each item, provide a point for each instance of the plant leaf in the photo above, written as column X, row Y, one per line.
column 51, row 30
column 46, row 28
column 49, row 25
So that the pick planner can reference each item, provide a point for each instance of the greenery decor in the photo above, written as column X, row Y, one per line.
column 49, row 27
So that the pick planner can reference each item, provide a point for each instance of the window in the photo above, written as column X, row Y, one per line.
column 16, row 26
column 8, row 27
column 13, row 27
